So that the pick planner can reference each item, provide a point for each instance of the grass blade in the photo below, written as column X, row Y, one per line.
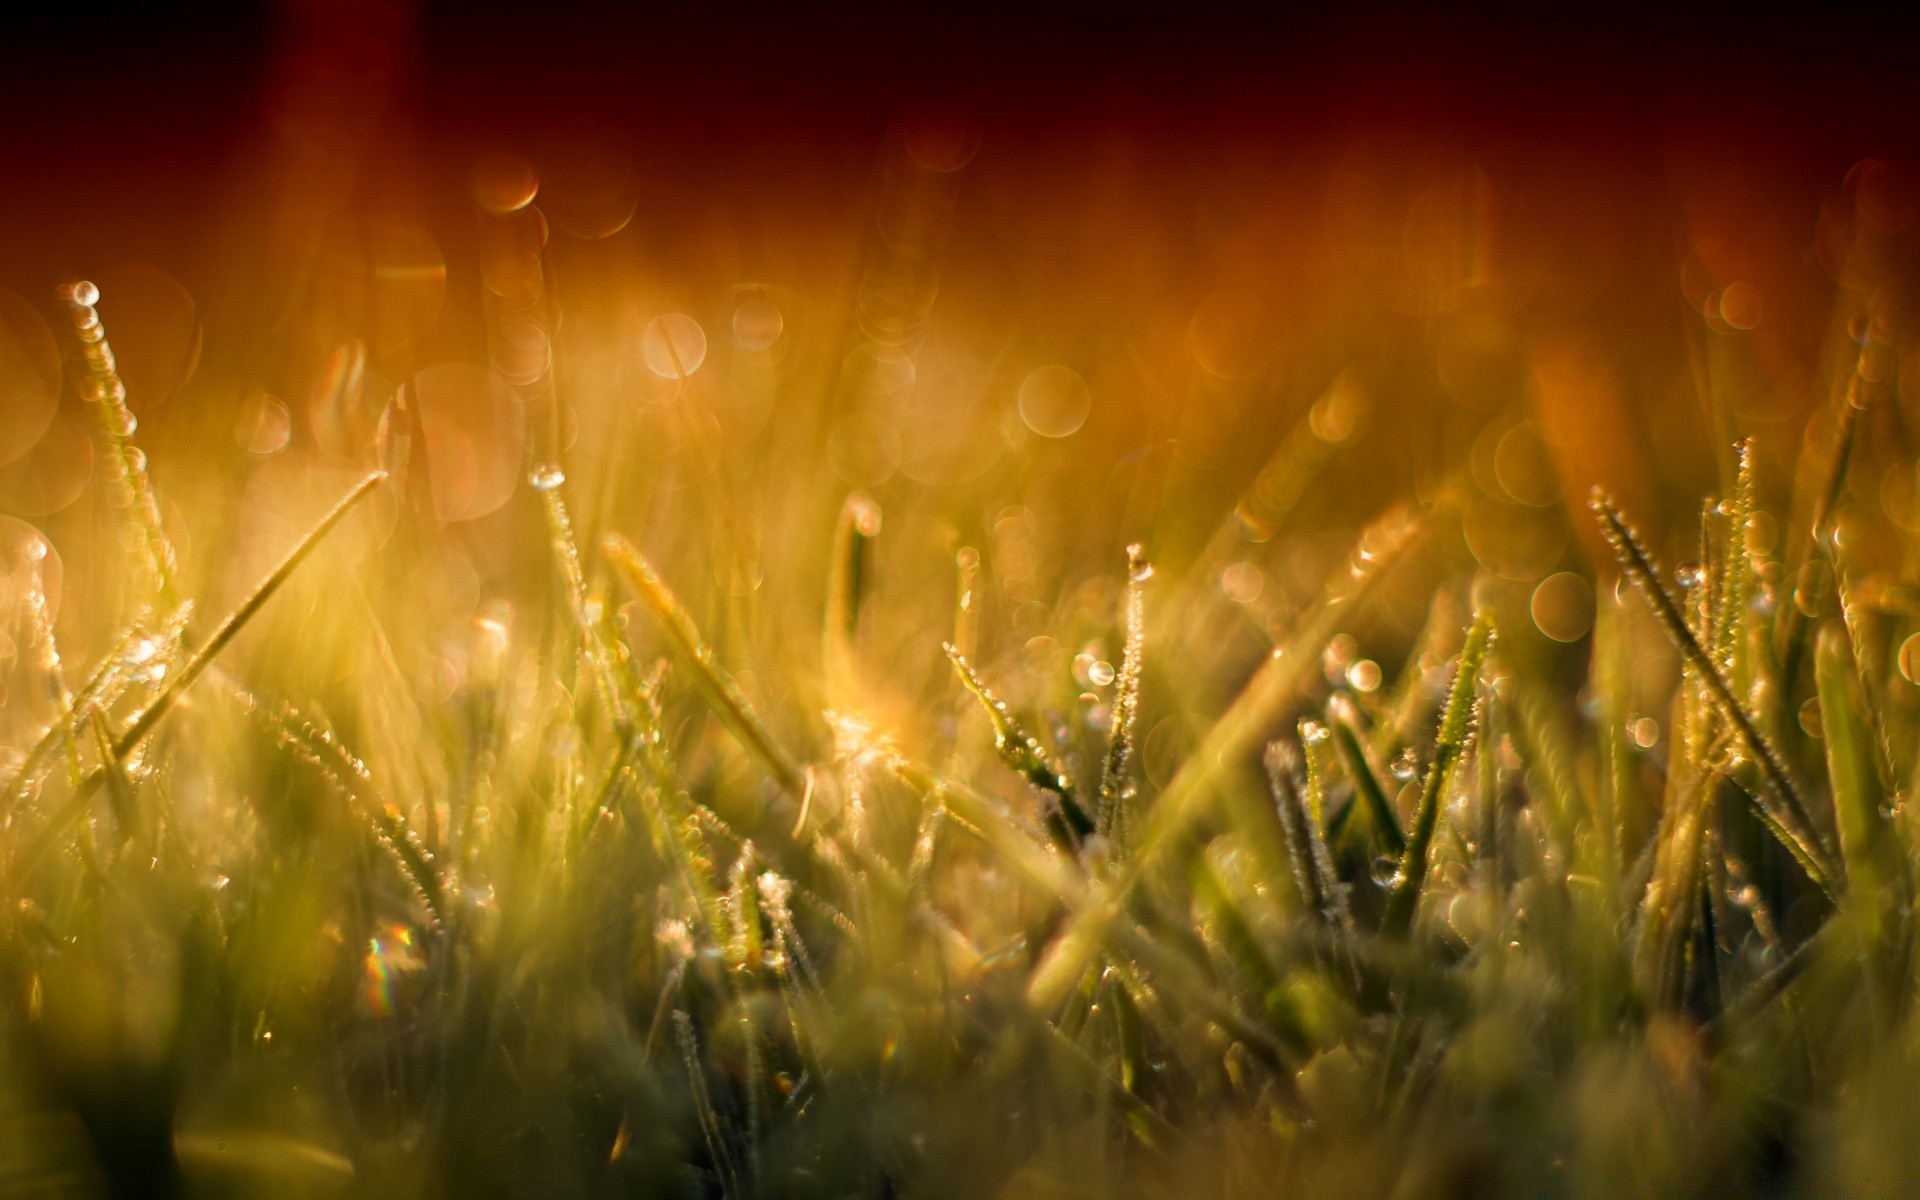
column 1456, row 730
column 1022, row 752
column 1790, row 824
column 715, row 684
column 1367, row 789
column 1116, row 785
column 236, row 620
column 1868, row 837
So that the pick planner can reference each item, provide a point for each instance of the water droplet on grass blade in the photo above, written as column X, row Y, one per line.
column 1139, row 570
column 1810, row 721
column 546, row 477
column 1910, row 659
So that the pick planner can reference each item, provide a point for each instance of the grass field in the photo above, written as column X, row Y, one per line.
column 792, row 741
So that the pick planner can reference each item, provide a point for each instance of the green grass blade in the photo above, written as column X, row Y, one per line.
column 1868, row 837
column 237, row 619
column 1242, row 729
column 1367, row 789
column 1456, row 730
column 1789, row 823
column 1116, row 783
column 1022, row 753
column 713, row 682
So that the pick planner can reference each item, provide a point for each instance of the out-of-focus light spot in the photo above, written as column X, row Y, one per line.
column 673, row 346
column 885, row 373
column 757, row 324
column 1044, row 656
column 1054, row 401
column 1763, row 534
column 1163, row 750
column 1515, row 543
column 1364, row 676
column 23, row 549
column 1241, row 582
column 503, row 183
column 740, row 575
column 407, row 281
column 1231, row 335
column 510, row 247
column 472, row 457
column 1562, row 607
column 1338, row 654
column 1812, row 588
column 390, row 957
column 948, row 434
column 29, row 376
column 1900, row 495
column 1336, row 416
column 1700, row 272
column 940, row 139
column 1736, row 306
column 1810, row 722
column 519, row 349
column 1015, row 558
column 1082, row 663
column 265, row 426
column 1910, row 659
column 1885, row 197
column 587, row 179
column 1100, row 673
column 1523, row 466
column 896, row 296
column 54, row 473
column 1645, row 732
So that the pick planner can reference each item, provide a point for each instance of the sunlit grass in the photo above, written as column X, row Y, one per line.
column 638, row 886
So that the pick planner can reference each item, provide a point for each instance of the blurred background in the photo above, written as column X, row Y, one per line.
column 1004, row 293
column 1039, row 285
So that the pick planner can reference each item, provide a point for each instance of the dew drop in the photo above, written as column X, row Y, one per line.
column 1313, row 732
column 1810, row 721
column 1385, row 868
column 1405, row 765
column 1100, row 674
column 1688, row 575
column 866, row 515
column 546, row 477
column 1138, row 568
